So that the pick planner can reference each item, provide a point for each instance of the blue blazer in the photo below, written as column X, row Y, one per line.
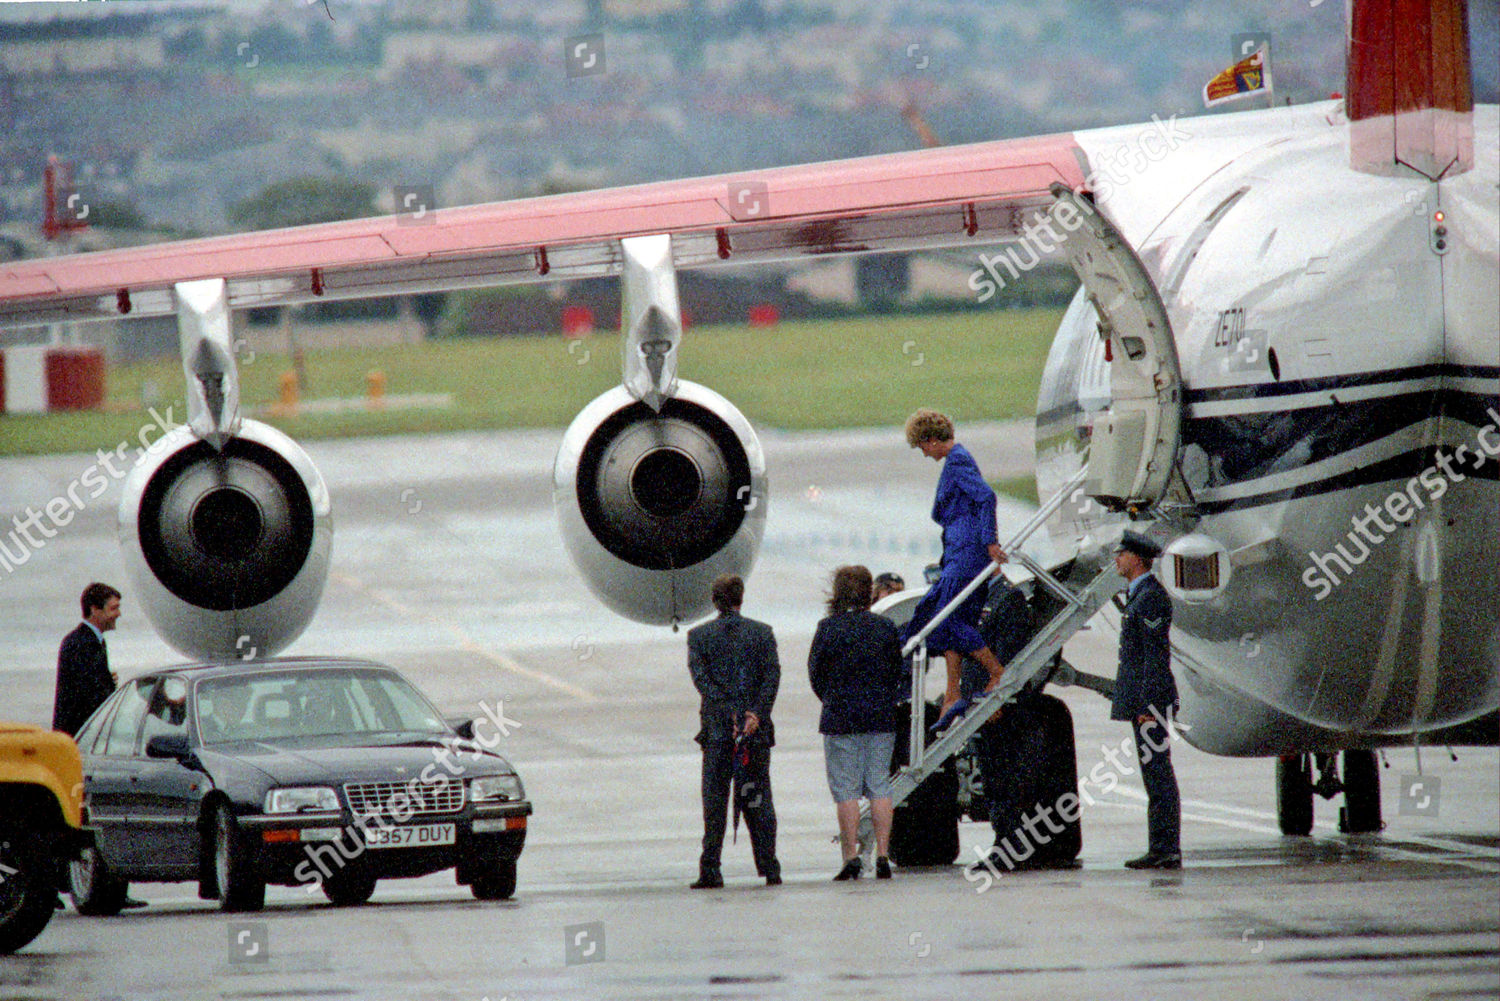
column 1145, row 675
column 965, row 507
column 734, row 666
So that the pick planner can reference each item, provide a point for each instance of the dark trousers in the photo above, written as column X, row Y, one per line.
column 755, row 801
column 1153, row 750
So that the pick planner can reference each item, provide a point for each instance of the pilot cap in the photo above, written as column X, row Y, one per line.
column 1135, row 542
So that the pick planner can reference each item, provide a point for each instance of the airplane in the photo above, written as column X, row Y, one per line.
column 1283, row 359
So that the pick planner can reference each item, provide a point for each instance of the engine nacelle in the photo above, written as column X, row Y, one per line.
column 654, row 506
column 228, row 551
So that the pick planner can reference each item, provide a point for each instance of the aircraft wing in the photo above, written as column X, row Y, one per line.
column 975, row 194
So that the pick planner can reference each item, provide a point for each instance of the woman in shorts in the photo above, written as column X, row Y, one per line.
column 856, row 671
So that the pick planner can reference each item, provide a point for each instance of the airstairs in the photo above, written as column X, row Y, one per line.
column 1035, row 661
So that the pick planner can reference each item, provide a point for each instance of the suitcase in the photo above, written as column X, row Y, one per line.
column 1029, row 765
column 924, row 830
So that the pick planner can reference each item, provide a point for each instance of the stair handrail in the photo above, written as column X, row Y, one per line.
column 1026, row 531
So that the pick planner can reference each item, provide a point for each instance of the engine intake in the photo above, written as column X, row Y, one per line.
column 654, row 506
column 229, row 549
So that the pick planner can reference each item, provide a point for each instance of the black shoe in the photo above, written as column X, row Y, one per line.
column 1154, row 860
column 993, row 859
column 708, row 881
column 849, row 871
column 774, row 879
column 131, row 902
column 882, row 868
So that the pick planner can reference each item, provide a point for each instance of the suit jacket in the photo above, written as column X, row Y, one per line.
column 964, row 506
column 83, row 681
column 1145, row 675
column 856, row 671
column 734, row 667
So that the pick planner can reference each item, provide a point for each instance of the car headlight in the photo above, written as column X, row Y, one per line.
column 493, row 787
column 298, row 798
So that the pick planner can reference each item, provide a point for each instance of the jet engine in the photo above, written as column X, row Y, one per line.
column 227, row 547
column 655, row 505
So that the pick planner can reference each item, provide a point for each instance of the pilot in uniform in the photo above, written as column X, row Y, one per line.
column 1146, row 696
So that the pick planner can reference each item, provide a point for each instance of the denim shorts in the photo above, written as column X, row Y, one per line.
column 859, row 764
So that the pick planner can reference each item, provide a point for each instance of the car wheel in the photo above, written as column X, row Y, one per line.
column 497, row 884
column 348, row 889
column 27, row 890
column 241, row 887
column 95, row 890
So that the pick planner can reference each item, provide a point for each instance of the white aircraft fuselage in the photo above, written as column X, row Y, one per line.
column 1337, row 337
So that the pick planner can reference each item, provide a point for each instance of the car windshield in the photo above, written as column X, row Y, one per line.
column 310, row 704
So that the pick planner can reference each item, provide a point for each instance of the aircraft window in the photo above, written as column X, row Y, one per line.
column 120, row 740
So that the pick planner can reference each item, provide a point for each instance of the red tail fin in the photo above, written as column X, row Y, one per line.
column 1409, row 97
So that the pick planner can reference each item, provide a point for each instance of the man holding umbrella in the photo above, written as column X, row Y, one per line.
column 734, row 667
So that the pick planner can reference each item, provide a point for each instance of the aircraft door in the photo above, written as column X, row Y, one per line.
column 1134, row 443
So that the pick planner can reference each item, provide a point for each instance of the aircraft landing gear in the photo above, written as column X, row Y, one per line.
column 1360, row 813
column 1360, row 784
column 1294, row 794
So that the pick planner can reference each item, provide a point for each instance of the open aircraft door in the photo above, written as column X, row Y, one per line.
column 1134, row 444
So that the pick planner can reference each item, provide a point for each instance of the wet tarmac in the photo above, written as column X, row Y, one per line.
column 446, row 564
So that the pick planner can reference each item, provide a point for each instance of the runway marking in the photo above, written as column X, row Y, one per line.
column 1473, row 857
column 467, row 642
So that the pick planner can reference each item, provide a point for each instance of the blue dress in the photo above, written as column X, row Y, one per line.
column 965, row 508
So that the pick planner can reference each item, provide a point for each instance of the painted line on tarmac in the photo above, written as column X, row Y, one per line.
column 465, row 641
column 1482, row 863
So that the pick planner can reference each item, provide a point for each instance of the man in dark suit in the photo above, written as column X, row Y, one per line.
column 734, row 667
column 1146, row 695
column 84, row 680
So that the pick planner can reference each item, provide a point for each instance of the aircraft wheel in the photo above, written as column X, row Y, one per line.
column 1361, row 811
column 1294, row 794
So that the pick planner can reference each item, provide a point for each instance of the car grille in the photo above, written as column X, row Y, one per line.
column 379, row 798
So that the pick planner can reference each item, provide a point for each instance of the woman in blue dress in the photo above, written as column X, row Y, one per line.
column 965, row 508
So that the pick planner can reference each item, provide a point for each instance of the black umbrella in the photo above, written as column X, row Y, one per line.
column 738, row 785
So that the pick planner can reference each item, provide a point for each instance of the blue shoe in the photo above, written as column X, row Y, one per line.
column 951, row 716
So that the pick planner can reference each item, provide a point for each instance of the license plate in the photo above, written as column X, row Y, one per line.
column 421, row 836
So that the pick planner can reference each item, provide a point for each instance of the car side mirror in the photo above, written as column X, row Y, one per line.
column 173, row 746
column 463, row 726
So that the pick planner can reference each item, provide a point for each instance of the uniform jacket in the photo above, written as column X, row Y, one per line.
column 83, row 680
column 734, row 667
column 1145, row 678
column 965, row 507
column 856, row 671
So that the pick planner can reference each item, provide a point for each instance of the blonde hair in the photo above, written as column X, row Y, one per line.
column 928, row 425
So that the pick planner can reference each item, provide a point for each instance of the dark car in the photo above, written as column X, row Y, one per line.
column 294, row 772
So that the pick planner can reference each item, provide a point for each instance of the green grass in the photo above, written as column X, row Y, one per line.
column 1021, row 488
column 869, row 371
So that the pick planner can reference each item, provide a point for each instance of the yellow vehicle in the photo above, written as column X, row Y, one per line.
column 41, row 795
